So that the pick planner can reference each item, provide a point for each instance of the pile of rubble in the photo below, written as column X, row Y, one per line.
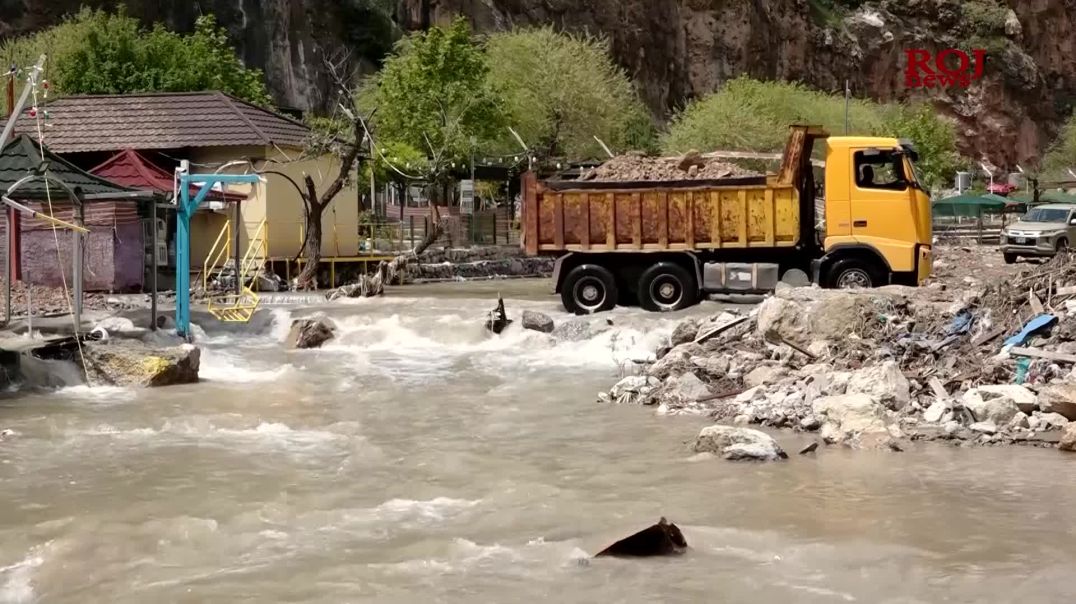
column 871, row 368
column 639, row 167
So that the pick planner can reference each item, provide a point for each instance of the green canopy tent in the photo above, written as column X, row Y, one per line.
column 970, row 205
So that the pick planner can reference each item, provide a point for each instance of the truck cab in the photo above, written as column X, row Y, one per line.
column 877, row 215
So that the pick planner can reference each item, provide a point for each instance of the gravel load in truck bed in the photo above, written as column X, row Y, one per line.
column 638, row 167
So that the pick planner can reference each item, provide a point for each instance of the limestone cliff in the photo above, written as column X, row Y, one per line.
column 679, row 49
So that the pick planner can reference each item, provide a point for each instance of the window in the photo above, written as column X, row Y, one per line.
column 880, row 170
column 1047, row 215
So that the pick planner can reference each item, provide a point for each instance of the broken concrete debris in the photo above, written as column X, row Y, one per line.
column 881, row 366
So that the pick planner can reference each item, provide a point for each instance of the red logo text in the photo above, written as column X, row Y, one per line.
column 947, row 69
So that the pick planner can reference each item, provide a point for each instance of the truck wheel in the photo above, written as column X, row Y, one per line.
column 666, row 287
column 1010, row 258
column 853, row 273
column 589, row 288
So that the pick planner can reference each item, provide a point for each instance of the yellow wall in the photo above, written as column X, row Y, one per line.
column 285, row 208
column 279, row 203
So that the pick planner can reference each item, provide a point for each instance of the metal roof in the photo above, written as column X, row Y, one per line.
column 162, row 121
column 22, row 157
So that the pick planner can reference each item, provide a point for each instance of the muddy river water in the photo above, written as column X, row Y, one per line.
column 416, row 459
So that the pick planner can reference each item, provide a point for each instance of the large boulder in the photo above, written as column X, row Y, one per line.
column 785, row 319
column 738, row 444
column 121, row 362
column 849, row 415
column 1068, row 438
column 990, row 408
column 684, row 390
column 634, row 389
column 885, row 382
column 685, row 332
column 310, row 333
column 1024, row 399
column 677, row 361
column 1059, row 398
column 537, row 321
column 763, row 375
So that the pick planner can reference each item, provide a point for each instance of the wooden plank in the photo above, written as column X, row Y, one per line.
column 637, row 221
column 1066, row 291
column 584, row 237
column 1043, row 354
column 742, row 227
column 702, row 338
column 987, row 336
column 610, row 215
column 663, row 219
column 558, row 220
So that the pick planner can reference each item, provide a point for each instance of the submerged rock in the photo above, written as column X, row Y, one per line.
column 661, row 539
column 132, row 363
column 634, row 389
column 536, row 321
column 310, row 333
column 735, row 443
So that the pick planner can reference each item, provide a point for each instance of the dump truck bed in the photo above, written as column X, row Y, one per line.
column 728, row 213
column 753, row 212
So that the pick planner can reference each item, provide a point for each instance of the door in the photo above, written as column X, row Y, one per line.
column 882, row 205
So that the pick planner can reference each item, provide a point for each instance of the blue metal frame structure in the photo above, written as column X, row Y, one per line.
column 184, row 210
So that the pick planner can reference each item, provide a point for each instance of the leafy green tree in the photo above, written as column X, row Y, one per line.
column 1061, row 156
column 95, row 52
column 562, row 90
column 433, row 94
column 934, row 137
column 748, row 114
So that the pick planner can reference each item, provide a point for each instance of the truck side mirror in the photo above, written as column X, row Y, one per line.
column 1072, row 221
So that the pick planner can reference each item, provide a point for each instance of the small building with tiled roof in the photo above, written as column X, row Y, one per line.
column 208, row 129
column 114, row 252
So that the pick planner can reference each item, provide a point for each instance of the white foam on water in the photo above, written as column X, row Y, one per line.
column 266, row 435
column 16, row 580
column 221, row 366
column 437, row 509
column 429, row 339
column 98, row 394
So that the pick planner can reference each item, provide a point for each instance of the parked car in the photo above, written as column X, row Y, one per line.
column 1043, row 232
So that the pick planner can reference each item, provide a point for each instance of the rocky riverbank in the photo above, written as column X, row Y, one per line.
column 451, row 264
column 970, row 364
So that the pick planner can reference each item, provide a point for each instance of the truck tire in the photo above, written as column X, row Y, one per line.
column 588, row 289
column 1010, row 258
column 666, row 287
column 851, row 273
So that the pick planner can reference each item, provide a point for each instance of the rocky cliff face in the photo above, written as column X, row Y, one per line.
column 680, row 49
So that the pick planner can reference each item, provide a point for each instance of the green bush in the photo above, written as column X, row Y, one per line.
column 748, row 114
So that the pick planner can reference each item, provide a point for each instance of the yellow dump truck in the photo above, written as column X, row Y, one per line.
column 664, row 244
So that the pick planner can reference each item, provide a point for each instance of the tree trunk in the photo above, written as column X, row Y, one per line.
column 308, row 278
column 387, row 272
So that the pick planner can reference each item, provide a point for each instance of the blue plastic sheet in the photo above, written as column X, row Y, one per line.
column 1031, row 328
